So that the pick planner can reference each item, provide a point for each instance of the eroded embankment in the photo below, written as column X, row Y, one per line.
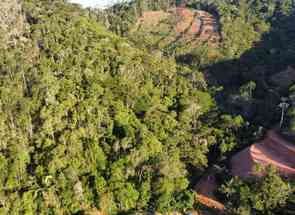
column 273, row 150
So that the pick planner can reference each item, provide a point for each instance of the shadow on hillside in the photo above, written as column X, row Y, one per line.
column 272, row 55
column 266, row 65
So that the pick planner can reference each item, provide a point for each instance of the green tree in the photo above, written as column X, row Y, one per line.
column 259, row 196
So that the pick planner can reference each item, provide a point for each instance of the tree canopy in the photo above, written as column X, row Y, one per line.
column 93, row 119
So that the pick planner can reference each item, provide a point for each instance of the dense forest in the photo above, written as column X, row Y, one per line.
column 101, row 116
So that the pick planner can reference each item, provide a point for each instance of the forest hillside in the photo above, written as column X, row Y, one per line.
column 142, row 107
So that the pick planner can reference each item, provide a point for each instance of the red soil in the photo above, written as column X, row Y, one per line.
column 273, row 150
column 196, row 23
column 205, row 192
column 189, row 24
column 210, row 203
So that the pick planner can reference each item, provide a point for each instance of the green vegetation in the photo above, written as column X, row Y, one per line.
column 93, row 119
column 257, row 197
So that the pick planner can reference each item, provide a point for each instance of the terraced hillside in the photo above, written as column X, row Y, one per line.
column 179, row 25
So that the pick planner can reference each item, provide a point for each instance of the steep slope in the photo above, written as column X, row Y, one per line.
column 273, row 150
column 186, row 23
column 94, row 123
column 177, row 26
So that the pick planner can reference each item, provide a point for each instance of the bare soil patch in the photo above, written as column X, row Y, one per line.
column 186, row 24
column 273, row 150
